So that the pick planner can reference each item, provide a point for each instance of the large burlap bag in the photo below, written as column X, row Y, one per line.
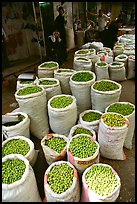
column 62, row 119
column 111, row 138
column 101, row 99
column 91, row 195
column 81, row 90
column 117, row 71
column 101, row 70
column 35, row 105
column 131, row 67
column 82, row 63
column 131, row 127
column 24, row 189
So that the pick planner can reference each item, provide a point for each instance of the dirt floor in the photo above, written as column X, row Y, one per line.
column 125, row 168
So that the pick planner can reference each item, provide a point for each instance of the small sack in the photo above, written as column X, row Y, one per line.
column 101, row 70
column 46, row 69
column 24, row 189
column 131, row 67
column 80, row 126
column 20, row 84
column 82, row 63
column 63, row 75
column 50, row 154
column 72, row 194
column 22, row 128
column 51, row 89
column 117, row 71
column 92, row 124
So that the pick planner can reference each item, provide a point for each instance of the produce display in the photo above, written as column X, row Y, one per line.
column 60, row 178
column 79, row 130
column 12, row 170
column 56, row 143
column 82, row 146
column 82, row 76
column 61, row 102
column 20, row 118
column 105, row 86
column 47, row 82
column 101, row 180
column 121, row 108
column 15, row 146
column 114, row 120
column 91, row 116
column 49, row 65
column 29, row 90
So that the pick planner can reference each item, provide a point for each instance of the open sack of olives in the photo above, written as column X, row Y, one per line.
column 100, row 183
column 19, row 127
column 82, row 151
column 61, row 183
column 81, row 129
column 18, row 180
column 20, row 145
column 63, row 75
column 46, row 69
column 32, row 100
column 103, row 93
column 128, row 110
column 54, row 147
column 113, row 128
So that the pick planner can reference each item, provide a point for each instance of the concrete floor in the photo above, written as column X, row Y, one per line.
column 125, row 169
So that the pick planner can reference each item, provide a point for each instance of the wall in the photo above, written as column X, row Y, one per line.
column 19, row 26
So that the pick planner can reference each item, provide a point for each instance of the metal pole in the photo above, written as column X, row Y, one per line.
column 37, row 25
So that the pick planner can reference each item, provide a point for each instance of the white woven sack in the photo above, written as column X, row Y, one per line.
column 131, row 67
column 62, row 119
column 118, row 59
column 23, row 190
column 78, row 54
column 20, row 85
column 22, row 128
column 91, row 125
column 90, row 196
column 117, row 72
column 131, row 127
column 95, row 58
column 64, row 78
column 72, row 130
column 44, row 72
column 50, row 154
column 129, row 52
column 118, row 51
column 111, row 140
column 92, row 52
column 32, row 153
column 81, row 91
column 35, row 105
column 86, row 46
column 72, row 194
column 82, row 63
column 51, row 90
column 100, row 99
column 82, row 164
column 101, row 71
